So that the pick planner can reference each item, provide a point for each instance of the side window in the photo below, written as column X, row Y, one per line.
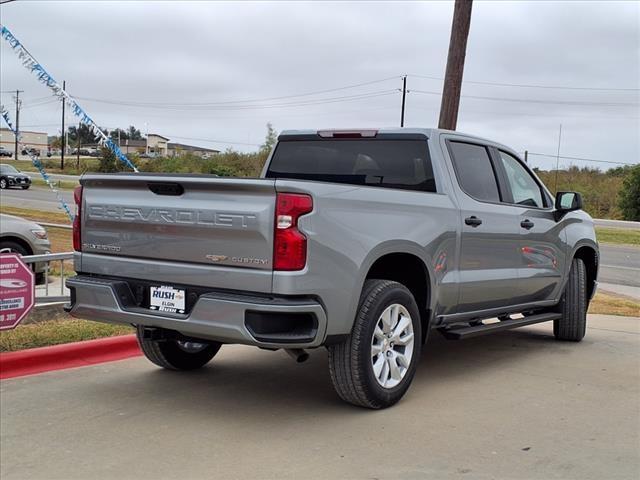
column 474, row 170
column 524, row 188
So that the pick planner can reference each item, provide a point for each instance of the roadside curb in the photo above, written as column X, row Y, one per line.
column 67, row 355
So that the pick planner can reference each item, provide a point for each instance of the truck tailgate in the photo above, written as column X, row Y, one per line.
column 217, row 224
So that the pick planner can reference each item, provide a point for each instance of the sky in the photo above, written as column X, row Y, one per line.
column 214, row 73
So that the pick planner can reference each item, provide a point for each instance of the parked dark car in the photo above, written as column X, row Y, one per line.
column 5, row 153
column 10, row 176
column 30, row 151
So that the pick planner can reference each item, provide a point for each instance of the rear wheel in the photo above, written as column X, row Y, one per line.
column 176, row 354
column 3, row 183
column 573, row 305
column 375, row 365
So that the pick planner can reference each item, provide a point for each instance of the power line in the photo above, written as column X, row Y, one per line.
column 214, row 141
column 581, row 159
column 234, row 102
column 521, row 85
column 531, row 100
column 204, row 107
column 40, row 104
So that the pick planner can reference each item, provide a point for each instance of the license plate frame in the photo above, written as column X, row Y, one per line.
column 167, row 299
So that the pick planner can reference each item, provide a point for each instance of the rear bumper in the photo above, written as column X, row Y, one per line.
column 223, row 317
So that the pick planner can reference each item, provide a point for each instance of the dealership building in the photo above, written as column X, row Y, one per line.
column 29, row 139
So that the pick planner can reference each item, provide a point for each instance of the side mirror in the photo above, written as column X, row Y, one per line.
column 567, row 202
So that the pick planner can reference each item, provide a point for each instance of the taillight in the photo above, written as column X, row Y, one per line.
column 290, row 245
column 77, row 198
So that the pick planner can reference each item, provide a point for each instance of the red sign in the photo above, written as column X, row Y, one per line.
column 16, row 290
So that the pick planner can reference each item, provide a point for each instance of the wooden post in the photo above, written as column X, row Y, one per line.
column 455, row 64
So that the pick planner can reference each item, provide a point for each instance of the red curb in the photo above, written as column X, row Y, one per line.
column 68, row 355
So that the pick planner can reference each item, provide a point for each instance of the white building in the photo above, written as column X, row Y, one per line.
column 29, row 139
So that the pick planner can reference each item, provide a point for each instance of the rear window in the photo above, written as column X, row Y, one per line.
column 403, row 164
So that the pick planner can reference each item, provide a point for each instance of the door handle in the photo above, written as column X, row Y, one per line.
column 528, row 224
column 473, row 221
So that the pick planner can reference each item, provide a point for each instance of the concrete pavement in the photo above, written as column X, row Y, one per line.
column 514, row 405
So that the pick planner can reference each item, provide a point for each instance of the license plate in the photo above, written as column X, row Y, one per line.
column 167, row 299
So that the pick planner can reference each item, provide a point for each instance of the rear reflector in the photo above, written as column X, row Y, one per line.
column 77, row 237
column 347, row 133
column 290, row 245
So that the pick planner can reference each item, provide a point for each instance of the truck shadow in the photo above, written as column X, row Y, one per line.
column 271, row 388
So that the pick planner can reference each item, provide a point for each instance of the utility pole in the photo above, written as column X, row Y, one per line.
column 455, row 64
column 78, row 149
column 404, row 95
column 64, row 85
column 526, row 156
column 15, row 147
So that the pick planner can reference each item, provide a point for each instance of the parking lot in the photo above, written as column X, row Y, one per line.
column 512, row 405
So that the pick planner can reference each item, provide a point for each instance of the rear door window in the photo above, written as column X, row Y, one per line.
column 403, row 164
column 475, row 171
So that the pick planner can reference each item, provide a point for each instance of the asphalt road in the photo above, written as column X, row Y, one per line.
column 600, row 222
column 619, row 265
column 516, row 405
column 38, row 198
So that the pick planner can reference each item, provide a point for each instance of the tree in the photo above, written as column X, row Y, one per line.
column 269, row 140
column 86, row 136
column 56, row 142
column 131, row 133
column 107, row 161
column 629, row 195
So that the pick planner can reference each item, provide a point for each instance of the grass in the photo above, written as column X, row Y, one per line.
column 607, row 304
column 52, row 165
column 621, row 236
column 37, row 215
column 56, row 332
column 60, row 184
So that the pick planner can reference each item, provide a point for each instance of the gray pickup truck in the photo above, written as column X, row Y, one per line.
column 361, row 241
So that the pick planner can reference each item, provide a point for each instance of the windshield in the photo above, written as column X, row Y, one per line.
column 4, row 168
column 401, row 164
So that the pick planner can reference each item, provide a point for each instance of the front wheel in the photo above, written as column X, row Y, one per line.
column 573, row 305
column 375, row 365
column 25, row 187
column 3, row 183
column 176, row 354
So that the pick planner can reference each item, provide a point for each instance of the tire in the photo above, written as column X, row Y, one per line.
column 3, row 183
column 14, row 247
column 25, row 187
column 351, row 363
column 173, row 355
column 573, row 305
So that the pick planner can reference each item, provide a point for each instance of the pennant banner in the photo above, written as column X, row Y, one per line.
column 38, row 164
column 31, row 64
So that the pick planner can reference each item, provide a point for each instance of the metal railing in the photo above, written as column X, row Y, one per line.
column 48, row 259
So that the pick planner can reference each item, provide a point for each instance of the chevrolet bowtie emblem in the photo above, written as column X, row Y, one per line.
column 217, row 258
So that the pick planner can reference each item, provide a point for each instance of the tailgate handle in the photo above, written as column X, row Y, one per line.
column 165, row 188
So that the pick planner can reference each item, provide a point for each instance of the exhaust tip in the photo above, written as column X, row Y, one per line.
column 298, row 354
